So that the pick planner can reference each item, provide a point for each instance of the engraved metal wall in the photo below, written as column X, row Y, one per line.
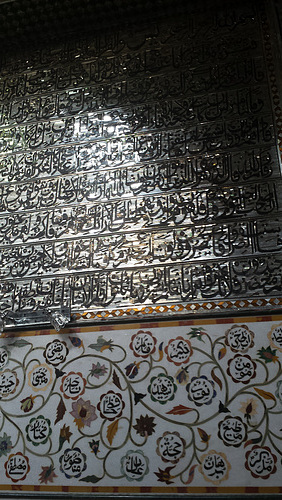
column 140, row 172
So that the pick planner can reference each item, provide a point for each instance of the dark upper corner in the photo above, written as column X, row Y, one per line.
column 25, row 23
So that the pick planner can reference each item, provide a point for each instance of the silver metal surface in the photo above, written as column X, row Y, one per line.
column 141, row 169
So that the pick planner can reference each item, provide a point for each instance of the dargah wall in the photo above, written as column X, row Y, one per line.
column 140, row 249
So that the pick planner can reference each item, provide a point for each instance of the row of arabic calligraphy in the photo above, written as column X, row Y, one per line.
column 152, row 61
column 260, row 276
column 174, row 84
column 204, row 137
column 205, row 205
column 157, row 176
column 116, row 251
column 224, row 239
column 190, row 28
column 147, row 116
column 203, row 402
column 245, row 277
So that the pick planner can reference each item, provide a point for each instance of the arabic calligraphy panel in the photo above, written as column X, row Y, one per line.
column 141, row 167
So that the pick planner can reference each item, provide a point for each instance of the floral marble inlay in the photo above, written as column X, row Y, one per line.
column 185, row 404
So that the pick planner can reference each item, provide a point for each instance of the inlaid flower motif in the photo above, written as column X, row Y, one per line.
column 94, row 446
column 162, row 388
column 17, row 467
column 214, row 467
column 72, row 462
column 38, row 430
column 47, row 475
column 261, row 462
column 65, row 432
column 56, row 352
column 111, row 405
column 76, row 341
column 143, row 344
column 5, row 444
column 134, row 465
column 275, row 337
column 40, row 377
column 98, row 370
column 182, row 376
column 132, row 370
column 178, row 351
column 27, row 403
column 164, row 475
column 65, row 435
column 232, row 431
column 268, row 355
column 249, row 408
column 171, row 447
column 241, row 368
column 83, row 412
column 145, row 425
column 239, row 338
column 201, row 390
column 73, row 385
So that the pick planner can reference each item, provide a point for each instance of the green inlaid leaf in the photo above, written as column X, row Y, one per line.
column 20, row 343
column 197, row 333
column 268, row 355
column 102, row 344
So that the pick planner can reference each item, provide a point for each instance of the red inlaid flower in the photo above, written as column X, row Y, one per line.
column 83, row 412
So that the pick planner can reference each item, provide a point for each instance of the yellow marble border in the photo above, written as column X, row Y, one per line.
column 149, row 489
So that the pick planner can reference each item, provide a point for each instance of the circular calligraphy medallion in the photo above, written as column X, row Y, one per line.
column 38, row 430
column 4, row 357
column 143, row 344
column 201, row 390
column 241, row 369
column 72, row 462
column 73, row 385
column 178, row 351
column 56, row 352
column 171, row 447
column 162, row 388
column 232, row 431
column 278, row 392
column 275, row 337
column 8, row 382
column 17, row 467
column 215, row 467
column 239, row 338
column 260, row 462
column 40, row 377
column 134, row 465
column 111, row 405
